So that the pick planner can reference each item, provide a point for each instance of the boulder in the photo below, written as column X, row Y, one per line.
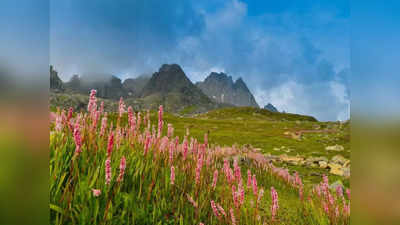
column 323, row 164
column 339, row 159
column 336, row 169
column 337, row 148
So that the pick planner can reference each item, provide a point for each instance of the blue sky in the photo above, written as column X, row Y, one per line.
column 294, row 54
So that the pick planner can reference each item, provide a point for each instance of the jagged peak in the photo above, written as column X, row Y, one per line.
column 170, row 67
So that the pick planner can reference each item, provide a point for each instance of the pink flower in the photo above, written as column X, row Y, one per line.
column 110, row 144
column 348, row 193
column 206, row 139
column 215, row 178
column 339, row 191
column 249, row 181
column 160, row 120
column 96, row 192
column 221, row 210
column 77, row 137
column 214, row 208
column 92, row 106
column 108, row 171
column 190, row 199
column 170, row 130
column 185, row 148
column 172, row 175
column 260, row 195
column 122, row 166
column 255, row 185
column 147, row 143
column 201, row 223
column 171, row 152
column 130, row 115
column 70, row 112
column 274, row 204
column 233, row 217
column 121, row 107
column 103, row 125
column 58, row 126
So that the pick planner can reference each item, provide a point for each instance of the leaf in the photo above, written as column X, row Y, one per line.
column 56, row 208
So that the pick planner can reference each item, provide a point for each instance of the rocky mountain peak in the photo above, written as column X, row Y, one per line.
column 270, row 107
column 221, row 88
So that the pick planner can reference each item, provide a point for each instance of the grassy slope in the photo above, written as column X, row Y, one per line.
column 245, row 125
column 265, row 130
column 131, row 202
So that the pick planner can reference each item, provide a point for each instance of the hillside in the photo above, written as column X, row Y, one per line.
column 119, row 172
column 250, row 113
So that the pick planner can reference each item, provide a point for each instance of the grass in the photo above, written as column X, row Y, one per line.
column 146, row 195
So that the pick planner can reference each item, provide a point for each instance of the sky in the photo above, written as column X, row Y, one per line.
column 293, row 54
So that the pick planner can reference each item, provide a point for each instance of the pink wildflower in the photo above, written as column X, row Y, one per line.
column 260, row 195
column 185, row 148
column 274, row 205
column 70, row 112
column 58, row 126
column 130, row 115
column 255, row 185
column 108, row 171
column 170, row 130
column 110, row 144
column 171, row 152
column 122, row 167
column 92, row 102
column 221, row 210
column 190, row 199
column 214, row 208
column 147, row 144
column 339, row 191
column 160, row 120
column 121, row 107
column 206, row 139
column 233, row 217
column 215, row 178
column 172, row 175
column 348, row 193
column 77, row 137
column 249, row 181
column 103, row 125
column 96, row 192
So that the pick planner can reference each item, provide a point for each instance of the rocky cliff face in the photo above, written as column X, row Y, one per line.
column 171, row 87
column 222, row 89
column 56, row 83
column 135, row 86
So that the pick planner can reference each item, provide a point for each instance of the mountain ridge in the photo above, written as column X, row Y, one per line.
column 221, row 88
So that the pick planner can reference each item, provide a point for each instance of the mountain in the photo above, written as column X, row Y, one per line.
column 107, row 86
column 135, row 86
column 172, row 88
column 56, row 83
column 221, row 88
column 270, row 108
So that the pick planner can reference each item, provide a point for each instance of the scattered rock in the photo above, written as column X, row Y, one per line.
column 294, row 160
column 337, row 148
column 323, row 164
column 338, row 159
column 336, row 169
